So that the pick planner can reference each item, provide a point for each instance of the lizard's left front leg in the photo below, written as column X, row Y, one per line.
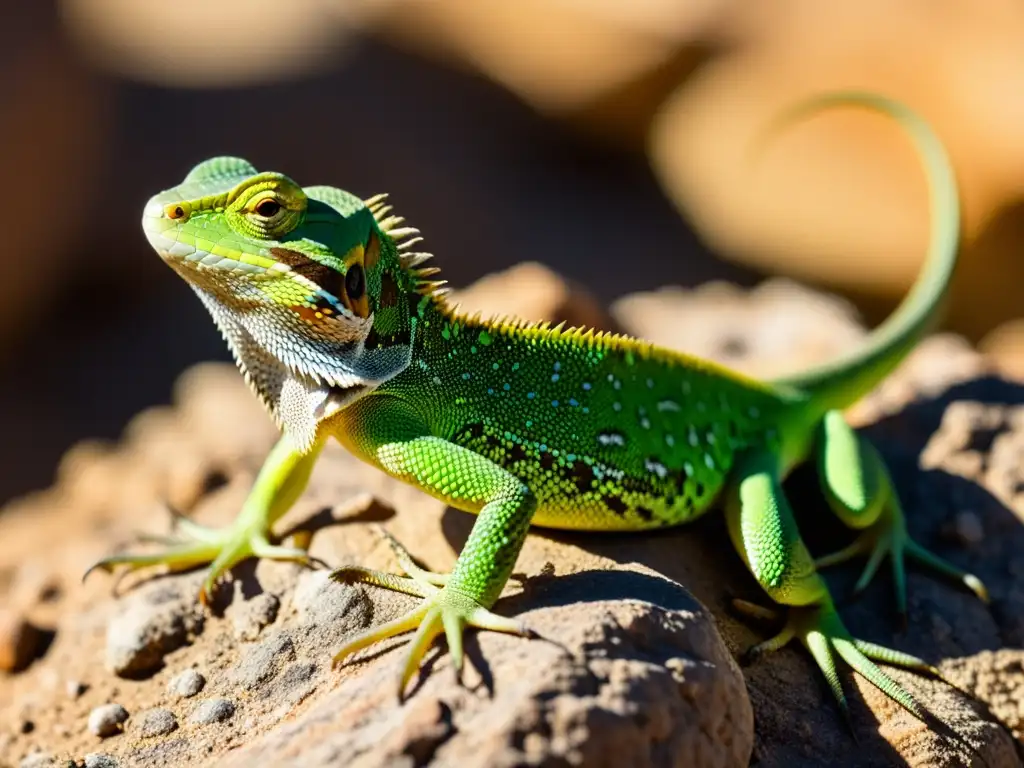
column 386, row 431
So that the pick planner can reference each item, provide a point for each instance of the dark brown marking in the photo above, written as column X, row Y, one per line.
column 583, row 476
column 646, row 514
column 516, row 453
column 473, row 430
column 679, row 477
column 615, row 504
column 698, row 489
column 388, row 291
column 547, row 461
column 329, row 280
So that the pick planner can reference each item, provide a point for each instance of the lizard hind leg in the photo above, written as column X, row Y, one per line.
column 764, row 532
column 859, row 489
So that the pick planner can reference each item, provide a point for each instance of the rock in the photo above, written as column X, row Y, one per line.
column 151, row 622
column 75, row 688
column 213, row 711
column 249, row 617
column 107, row 720
column 156, row 722
column 617, row 682
column 187, row 684
column 100, row 760
column 19, row 640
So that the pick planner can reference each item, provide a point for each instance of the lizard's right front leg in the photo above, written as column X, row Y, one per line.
column 387, row 431
column 280, row 482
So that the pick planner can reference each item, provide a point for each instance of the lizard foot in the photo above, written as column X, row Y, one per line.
column 820, row 630
column 195, row 545
column 444, row 610
column 888, row 536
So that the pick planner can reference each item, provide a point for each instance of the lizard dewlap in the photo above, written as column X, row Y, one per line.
column 342, row 330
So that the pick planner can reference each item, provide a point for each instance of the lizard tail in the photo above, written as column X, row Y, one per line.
column 841, row 382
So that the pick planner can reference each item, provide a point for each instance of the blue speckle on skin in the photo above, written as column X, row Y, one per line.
column 573, row 402
column 586, row 385
column 507, row 387
column 554, row 403
column 558, row 366
column 466, row 376
column 495, row 366
column 530, row 395
column 490, row 391
column 554, row 377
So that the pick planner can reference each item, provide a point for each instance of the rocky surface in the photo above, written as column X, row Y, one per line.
column 636, row 665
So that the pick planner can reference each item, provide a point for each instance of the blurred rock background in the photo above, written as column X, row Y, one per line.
column 604, row 139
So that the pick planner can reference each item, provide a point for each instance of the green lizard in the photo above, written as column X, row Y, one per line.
column 341, row 331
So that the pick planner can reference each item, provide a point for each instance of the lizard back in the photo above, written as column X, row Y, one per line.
column 608, row 431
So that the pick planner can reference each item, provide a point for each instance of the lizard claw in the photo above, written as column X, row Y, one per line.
column 820, row 630
column 444, row 610
column 888, row 536
column 198, row 545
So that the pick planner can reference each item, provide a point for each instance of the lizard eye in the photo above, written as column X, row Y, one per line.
column 268, row 208
column 355, row 282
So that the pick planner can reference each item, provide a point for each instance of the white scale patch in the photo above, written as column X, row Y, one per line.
column 656, row 467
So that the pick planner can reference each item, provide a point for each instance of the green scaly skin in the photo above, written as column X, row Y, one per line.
column 340, row 332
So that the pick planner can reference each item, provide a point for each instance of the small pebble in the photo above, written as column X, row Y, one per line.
column 75, row 688
column 187, row 684
column 213, row 711
column 19, row 641
column 156, row 722
column 100, row 760
column 107, row 720
column 26, row 726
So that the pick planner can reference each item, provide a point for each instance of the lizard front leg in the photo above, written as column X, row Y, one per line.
column 860, row 491
column 764, row 532
column 281, row 480
column 386, row 431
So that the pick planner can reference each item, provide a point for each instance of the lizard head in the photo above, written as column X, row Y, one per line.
column 314, row 295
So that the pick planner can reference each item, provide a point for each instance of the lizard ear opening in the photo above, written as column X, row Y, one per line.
column 354, row 285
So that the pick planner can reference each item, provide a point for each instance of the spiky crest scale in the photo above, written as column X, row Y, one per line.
column 403, row 238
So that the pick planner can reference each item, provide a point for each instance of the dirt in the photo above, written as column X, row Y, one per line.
column 637, row 665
